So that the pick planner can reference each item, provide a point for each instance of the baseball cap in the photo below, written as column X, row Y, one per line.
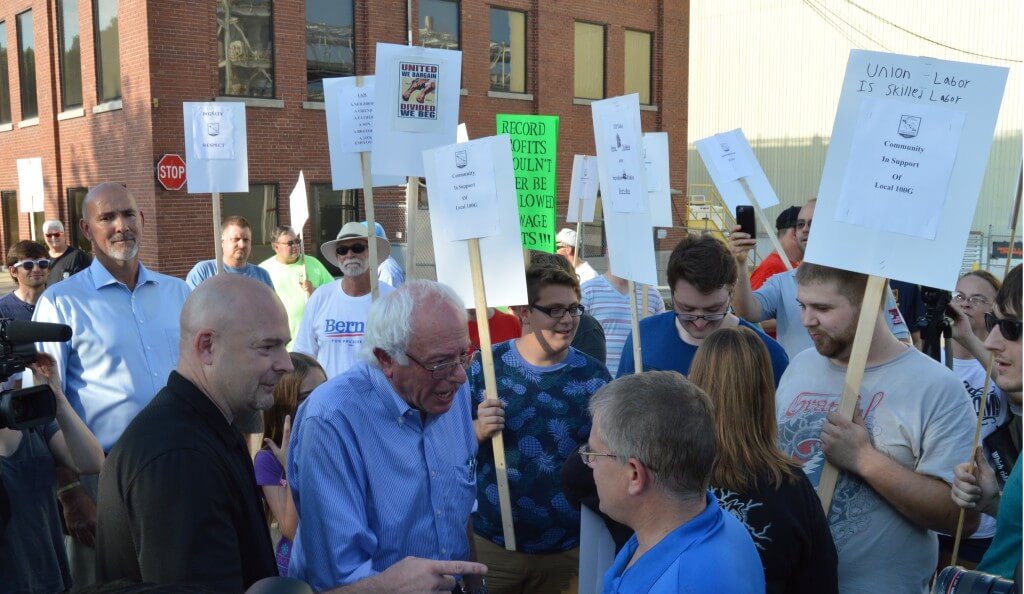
column 567, row 237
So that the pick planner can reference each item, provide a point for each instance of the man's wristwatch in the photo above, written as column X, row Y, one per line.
column 462, row 589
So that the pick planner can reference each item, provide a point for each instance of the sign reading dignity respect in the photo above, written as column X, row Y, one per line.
column 534, row 150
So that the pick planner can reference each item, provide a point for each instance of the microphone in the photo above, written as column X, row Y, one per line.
column 15, row 332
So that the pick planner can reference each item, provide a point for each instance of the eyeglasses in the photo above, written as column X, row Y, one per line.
column 356, row 249
column 973, row 299
column 1010, row 329
column 706, row 317
column 588, row 456
column 29, row 265
column 559, row 312
column 443, row 370
column 290, row 243
column 53, row 235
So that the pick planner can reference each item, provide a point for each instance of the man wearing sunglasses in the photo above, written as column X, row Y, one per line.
column 976, row 487
column 65, row 259
column 295, row 276
column 334, row 322
column 701, row 274
column 28, row 265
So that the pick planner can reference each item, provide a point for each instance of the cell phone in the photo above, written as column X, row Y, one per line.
column 745, row 219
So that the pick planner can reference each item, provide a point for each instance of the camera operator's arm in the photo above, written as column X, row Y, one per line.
column 744, row 304
column 964, row 335
column 74, row 446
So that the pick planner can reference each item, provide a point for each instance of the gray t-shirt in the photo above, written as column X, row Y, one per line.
column 777, row 297
column 917, row 413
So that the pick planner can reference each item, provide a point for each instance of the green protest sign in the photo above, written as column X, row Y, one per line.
column 534, row 150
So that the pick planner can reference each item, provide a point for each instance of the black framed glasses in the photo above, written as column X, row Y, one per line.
column 30, row 265
column 444, row 369
column 975, row 300
column 559, row 312
column 290, row 242
column 706, row 317
column 1010, row 329
column 343, row 250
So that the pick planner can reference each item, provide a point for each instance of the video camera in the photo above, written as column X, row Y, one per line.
column 935, row 323
column 957, row 580
column 28, row 407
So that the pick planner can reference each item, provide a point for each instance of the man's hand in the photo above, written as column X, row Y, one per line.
column 79, row 515
column 976, row 488
column 740, row 244
column 490, row 419
column 846, row 443
column 281, row 453
column 413, row 575
column 307, row 287
column 961, row 326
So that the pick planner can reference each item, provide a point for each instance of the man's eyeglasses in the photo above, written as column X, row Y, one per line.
column 290, row 243
column 973, row 299
column 559, row 312
column 444, row 370
column 358, row 248
column 588, row 456
column 53, row 235
column 1010, row 329
column 706, row 317
column 29, row 265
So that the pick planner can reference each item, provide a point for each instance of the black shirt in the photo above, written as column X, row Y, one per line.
column 178, row 501
column 66, row 264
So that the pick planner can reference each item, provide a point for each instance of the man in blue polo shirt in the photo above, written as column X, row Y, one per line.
column 651, row 448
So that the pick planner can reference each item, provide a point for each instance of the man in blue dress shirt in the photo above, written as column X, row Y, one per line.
column 124, row 344
column 382, row 461
column 651, row 447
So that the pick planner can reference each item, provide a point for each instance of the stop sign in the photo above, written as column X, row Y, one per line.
column 170, row 172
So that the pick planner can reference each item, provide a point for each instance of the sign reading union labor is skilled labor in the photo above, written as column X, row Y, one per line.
column 534, row 150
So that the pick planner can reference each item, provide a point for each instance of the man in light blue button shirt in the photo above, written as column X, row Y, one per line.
column 124, row 344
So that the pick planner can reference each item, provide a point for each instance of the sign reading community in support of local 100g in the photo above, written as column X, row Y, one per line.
column 904, row 168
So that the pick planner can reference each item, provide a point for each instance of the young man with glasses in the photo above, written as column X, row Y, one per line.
column 295, row 275
column 65, row 259
column 976, row 486
column 334, row 322
column 543, row 388
column 701, row 275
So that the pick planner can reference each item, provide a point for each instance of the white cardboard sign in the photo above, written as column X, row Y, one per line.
column 298, row 205
column 908, row 86
column 583, row 188
column 30, row 185
column 728, row 158
column 216, row 152
column 659, row 184
column 463, row 188
column 416, row 107
column 350, row 122
column 501, row 253
column 628, row 227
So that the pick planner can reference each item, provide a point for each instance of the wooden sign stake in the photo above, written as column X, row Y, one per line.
column 579, row 230
column 491, row 388
column 854, row 375
column 766, row 224
column 218, row 250
column 638, row 362
column 371, row 223
column 412, row 207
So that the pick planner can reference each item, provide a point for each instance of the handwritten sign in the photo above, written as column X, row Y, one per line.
column 583, row 188
column 349, row 109
column 659, row 190
column 930, row 252
column 216, row 153
column 534, row 150
column 464, row 184
column 729, row 158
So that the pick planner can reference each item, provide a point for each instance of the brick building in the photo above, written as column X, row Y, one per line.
column 95, row 87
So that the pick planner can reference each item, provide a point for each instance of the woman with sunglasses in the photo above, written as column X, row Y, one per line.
column 272, row 461
column 752, row 479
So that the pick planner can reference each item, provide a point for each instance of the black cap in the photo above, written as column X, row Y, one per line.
column 787, row 219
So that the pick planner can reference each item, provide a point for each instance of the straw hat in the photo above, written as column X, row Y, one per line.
column 353, row 230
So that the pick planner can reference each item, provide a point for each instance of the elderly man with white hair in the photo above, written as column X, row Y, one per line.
column 65, row 259
column 382, row 461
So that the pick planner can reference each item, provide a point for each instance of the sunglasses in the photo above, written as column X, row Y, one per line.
column 53, row 235
column 355, row 249
column 1010, row 329
column 29, row 265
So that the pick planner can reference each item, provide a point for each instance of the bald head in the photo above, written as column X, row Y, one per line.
column 225, row 301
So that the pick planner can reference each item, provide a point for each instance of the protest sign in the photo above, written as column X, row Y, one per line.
column 534, row 152
column 350, row 119
column 216, row 153
column 464, row 185
column 899, row 116
column 30, row 185
column 582, row 190
column 659, row 184
column 731, row 162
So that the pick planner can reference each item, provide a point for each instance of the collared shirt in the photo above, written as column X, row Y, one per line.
column 712, row 552
column 373, row 483
column 178, row 501
column 123, row 344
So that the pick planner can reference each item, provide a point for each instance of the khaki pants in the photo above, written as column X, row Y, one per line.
column 510, row 572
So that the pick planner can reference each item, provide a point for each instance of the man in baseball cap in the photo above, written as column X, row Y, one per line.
column 334, row 322
column 565, row 242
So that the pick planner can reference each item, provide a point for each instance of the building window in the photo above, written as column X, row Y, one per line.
column 108, row 57
column 76, row 198
column 9, row 205
column 439, row 24
column 508, row 51
column 245, row 46
column 259, row 207
column 5, row 85
column 329, row 46
column 331, row 210
column 638, row 65
column 70, row 55
column 589, row 61
column 27, row 66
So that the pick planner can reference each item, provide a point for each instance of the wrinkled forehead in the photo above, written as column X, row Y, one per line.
column 110, row 202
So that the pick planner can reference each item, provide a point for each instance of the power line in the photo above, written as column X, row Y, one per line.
column 852, row 26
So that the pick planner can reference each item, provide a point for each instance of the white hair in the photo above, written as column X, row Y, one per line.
column 389, row 323
column 53, row 224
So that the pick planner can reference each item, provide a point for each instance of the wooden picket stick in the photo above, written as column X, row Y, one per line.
column 218, row 250
column 371, row 223
column 491, row 388
column 579, row 230
column 766, row 224
column 854, row 375
column 974, row 452
column 412, row 206
column 638, row 362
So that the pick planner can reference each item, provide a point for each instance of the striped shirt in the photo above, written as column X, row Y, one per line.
column 611, row 308
column 372, row 483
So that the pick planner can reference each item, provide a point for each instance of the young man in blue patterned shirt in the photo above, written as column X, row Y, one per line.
column 544, row 386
